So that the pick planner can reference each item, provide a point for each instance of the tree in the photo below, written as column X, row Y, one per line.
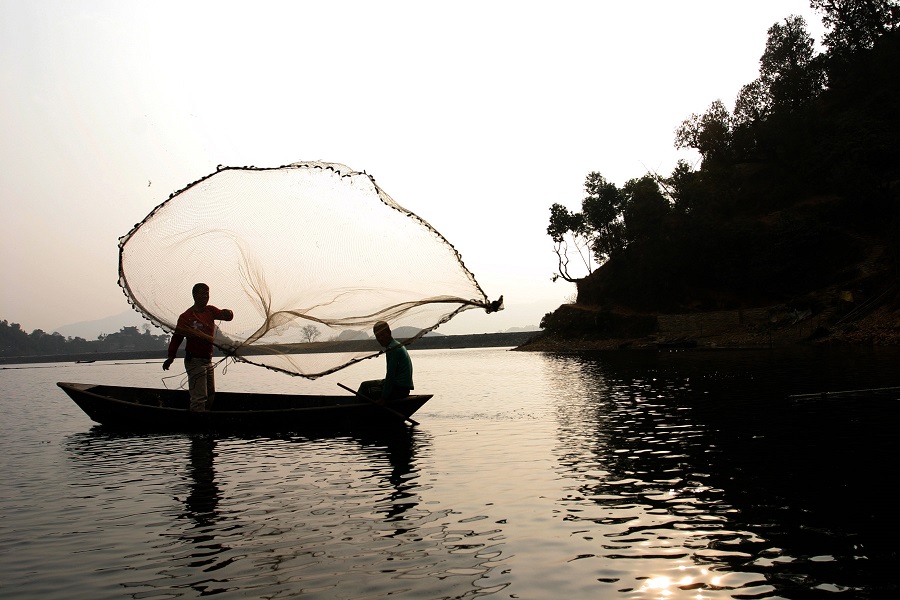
column 790, row 72
column 602, row 209
column 753, row 104
column 15, row 342
column 645, row 207
column 682, row 187
column 564, row 226
column 791, row 76
column 854, row 25
column 710, row 133
column 13, row 339
column 597, row 232
column 310, row 333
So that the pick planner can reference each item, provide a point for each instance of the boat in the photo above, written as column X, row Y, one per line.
column 159, row 409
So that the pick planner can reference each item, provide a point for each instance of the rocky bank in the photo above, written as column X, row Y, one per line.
column 836, row 317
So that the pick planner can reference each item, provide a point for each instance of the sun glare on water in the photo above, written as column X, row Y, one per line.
column 665, row 587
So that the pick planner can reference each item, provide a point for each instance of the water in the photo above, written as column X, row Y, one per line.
column 542, row 476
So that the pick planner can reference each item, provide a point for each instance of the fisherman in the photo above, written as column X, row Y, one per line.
column 198, row 326
column 398, row 378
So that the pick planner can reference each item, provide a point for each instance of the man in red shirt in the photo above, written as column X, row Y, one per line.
column 197, row 324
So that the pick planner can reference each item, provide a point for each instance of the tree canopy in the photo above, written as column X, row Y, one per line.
column 14, row 341
column 855, row 25
column 811, row 125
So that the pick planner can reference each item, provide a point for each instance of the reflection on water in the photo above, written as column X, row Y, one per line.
column 204, row 496
column 269, row 516
column 611, row 475
column 702, row 467
column 201, row 505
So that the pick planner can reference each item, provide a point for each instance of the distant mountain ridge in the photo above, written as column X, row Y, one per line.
column 91, row 330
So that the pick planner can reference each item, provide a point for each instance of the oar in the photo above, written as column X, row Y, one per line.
column 387, row 408
column 843, row 393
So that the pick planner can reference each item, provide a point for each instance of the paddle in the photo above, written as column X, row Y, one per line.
column 387, row 408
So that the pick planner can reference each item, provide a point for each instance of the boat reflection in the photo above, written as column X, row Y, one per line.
column 400, row 451
column 292, row 510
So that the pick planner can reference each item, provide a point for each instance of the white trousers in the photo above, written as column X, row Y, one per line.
column 201, row 382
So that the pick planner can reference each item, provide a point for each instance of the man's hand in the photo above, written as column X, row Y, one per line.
column 167, row 364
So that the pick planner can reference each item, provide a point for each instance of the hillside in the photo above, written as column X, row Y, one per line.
column 788, row 232
column 809, row 272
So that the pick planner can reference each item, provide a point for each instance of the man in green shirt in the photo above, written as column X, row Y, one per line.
column 398, row 378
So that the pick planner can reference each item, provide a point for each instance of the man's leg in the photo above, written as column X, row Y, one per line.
column 399, row 393
column 210, row 385
column 371, row 388
column 197, row 377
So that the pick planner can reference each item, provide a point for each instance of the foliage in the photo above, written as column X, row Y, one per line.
column 566, row 226
column 16, row 342
column 787, row 185
column 791, row 73
column 855, row 25
column 602, row 209
column 310, row 333
column 609, row 220
column 709, row 133
column 645, row 208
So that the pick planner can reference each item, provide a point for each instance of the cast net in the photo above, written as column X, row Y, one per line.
column 308, row 256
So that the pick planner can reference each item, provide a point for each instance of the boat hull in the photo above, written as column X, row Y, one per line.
column 158, row 409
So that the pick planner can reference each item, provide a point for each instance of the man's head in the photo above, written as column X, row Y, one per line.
column 382, row 333
column 200, row 291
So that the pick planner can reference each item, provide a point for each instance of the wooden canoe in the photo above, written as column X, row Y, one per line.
column 160, row 409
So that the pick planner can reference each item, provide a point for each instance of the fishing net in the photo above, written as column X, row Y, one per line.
column 308, row 256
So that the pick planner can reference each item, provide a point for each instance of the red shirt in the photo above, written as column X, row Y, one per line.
column 199, row 327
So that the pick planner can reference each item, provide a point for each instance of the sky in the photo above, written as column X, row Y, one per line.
column 476, row 116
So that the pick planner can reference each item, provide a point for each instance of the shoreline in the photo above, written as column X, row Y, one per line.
column 436, row 342
column 756, row 329
column 587, row 329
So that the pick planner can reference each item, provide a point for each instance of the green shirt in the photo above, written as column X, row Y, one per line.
column 399, row 368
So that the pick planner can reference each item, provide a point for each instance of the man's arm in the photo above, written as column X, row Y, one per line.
column 224, row 314
column 177, row 338
column 175, row 342
column 390, row 375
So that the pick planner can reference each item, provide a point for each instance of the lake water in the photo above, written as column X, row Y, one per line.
column 531, row 475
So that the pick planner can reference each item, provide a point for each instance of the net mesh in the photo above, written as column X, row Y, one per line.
column 308, row 256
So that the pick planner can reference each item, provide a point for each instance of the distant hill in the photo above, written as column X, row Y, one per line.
column 91, row 330
column 351, row 334
column 474, row 340
column 403, row 333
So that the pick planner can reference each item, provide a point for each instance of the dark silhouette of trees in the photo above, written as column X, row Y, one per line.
column 602, row 208
column 565, row 227
column 709, row 133
column 610, row 219
column 16, row 342
column 791, row 72
column 786, row 186
column 645, row 208
column 791, row 76
column 855, row 25
column 597, row 232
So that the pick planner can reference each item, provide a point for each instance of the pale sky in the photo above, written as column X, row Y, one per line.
column 477, row 116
